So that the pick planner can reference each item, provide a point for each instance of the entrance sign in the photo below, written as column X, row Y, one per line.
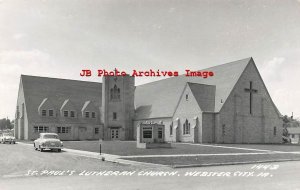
column 151, row 136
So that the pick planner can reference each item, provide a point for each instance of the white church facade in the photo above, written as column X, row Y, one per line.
column 233, row 106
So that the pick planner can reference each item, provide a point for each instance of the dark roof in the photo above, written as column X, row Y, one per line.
column 159, row 98
column 204, row 95
column 36, row 89
column 152, row 100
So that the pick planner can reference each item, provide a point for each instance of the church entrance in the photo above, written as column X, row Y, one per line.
column 115, row 133
column 82, row 133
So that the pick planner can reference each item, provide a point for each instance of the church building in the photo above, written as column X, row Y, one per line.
column 233, row 106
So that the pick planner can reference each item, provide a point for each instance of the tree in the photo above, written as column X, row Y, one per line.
column 288, row 122
column 285, row 119
column 5, row 123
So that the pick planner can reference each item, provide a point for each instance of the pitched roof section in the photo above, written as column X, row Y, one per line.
column 36, row 89
column 293, row 130
column 85, row 105
column 204, row 95
column 43, row 102
column 159, row 98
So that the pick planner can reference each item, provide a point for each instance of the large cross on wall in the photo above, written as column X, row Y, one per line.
column 251, row 91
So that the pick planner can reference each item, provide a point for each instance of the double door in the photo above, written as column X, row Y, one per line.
column 114, row 134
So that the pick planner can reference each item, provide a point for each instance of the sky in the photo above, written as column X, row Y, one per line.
column 59, row 38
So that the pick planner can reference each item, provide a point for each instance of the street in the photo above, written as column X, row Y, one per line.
column 24, row 168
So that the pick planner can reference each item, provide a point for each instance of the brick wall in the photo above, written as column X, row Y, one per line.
column 240, row 125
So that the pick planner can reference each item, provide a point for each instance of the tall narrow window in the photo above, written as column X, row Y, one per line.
column 160, row 133
column 96, row 130
column 50, row 113
column 115, row 93
column 118, row 94
column 111, row 94
column 23, row 110
column 87, row 114
column 66, row 113
column 44, row 113
column 18, row 112
column 223, row 130
column 171, row 129
column 72, row 113
column 186, row 97
column 115, row 116
column 93, row 115
column 274, row 131
column 186, row 127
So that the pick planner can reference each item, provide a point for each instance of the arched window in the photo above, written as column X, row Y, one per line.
column 111, row 94
column 118, row 94
column 275, row 131
column 115, row 93
column 186, row 128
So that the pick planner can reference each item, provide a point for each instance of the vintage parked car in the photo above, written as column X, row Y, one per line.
column 6, row 137
column 48, row 141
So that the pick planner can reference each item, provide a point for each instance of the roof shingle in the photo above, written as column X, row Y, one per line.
column 159, row 99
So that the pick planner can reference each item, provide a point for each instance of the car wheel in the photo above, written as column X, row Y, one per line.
column 58, row 150
column 14, row 142
column 35, row 148
column 41, row 149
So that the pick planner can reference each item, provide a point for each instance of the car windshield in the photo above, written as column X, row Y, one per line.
column 50, row 137
column 7, row 135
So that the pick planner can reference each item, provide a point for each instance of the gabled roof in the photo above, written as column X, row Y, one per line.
column 204, row 95
column 88, row 106
column 159, row 98
column 85, row 105
column 36, row 89
column 43, row 102
column 66, row 102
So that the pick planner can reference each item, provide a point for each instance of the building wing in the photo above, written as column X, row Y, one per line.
column 159, row 99
column 36, row 89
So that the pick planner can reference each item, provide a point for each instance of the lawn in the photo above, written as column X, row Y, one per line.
column 272, row 147
column 215, row 160
column 128, row 148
